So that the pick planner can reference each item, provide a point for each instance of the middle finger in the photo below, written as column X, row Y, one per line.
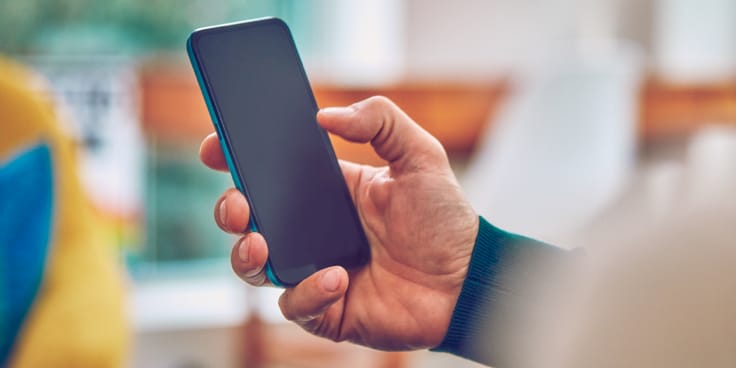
column 232, row 212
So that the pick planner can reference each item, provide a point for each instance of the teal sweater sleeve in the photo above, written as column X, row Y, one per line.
column 492, row 291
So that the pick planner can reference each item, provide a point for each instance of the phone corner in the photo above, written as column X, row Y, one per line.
column 190, row 42
column 278, row 21
column 272, row 276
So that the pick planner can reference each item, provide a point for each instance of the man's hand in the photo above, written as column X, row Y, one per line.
column 420, row 228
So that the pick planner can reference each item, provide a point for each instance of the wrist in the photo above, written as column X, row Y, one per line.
column 473, row 290
column 494, row 292
column 466, row 243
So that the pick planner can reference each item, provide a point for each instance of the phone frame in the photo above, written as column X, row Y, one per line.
column 225, row 140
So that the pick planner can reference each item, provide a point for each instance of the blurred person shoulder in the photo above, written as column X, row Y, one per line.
column 659, row 292
column 77, row 313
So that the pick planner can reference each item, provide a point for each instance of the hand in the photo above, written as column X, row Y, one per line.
column 420, row 228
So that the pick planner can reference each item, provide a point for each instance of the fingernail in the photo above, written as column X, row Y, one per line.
column 243, row 250
column 223, row 212
column 336, row 110
column 331, row 280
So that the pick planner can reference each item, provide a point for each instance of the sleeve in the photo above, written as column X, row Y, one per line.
column 496, row 288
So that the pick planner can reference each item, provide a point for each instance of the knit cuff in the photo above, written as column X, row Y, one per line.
column 502, row 268
column 477, row 291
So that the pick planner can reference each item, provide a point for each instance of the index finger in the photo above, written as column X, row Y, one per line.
column 210, row 152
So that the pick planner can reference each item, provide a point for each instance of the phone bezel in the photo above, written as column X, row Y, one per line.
column 277, row 277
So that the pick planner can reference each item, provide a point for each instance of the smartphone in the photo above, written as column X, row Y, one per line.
column 264, row 112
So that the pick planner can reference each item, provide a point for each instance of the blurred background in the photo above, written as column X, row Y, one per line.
column 559, row 116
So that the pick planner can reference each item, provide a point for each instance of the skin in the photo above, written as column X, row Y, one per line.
column 420, row 228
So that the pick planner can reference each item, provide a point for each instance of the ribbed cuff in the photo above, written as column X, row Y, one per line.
column 493, row 291
column 477, row 292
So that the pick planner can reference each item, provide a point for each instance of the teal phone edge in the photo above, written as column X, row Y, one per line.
column 252, row 225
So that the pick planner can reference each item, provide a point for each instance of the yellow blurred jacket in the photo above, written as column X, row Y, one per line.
column 78, row 318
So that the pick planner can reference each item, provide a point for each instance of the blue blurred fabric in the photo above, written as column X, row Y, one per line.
column 26, row 197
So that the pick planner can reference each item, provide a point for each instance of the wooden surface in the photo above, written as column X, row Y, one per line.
column 672, row 110
column 457, row 114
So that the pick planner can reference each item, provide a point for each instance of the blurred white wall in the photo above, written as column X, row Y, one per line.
column 362, row 44
column 695, row 40
column 562, row 148
column 473, row 39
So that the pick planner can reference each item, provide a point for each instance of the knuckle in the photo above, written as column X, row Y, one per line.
column 254, row 276
column 431, row 156
column 431, row 145
column 437, row 148
column 258, row 280
column 254, row 273
column 379, row 102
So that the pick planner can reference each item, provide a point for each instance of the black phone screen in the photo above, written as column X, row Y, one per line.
column 284, row 160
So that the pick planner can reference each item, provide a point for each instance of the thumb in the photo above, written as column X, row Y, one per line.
column 394, row 135
column 307, row 302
